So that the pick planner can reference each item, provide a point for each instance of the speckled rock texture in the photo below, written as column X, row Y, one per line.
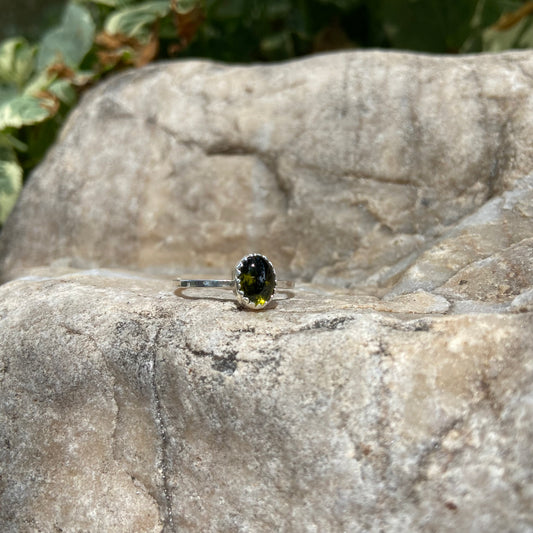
column 126, row 407
column 341, row 168
column 392, row 390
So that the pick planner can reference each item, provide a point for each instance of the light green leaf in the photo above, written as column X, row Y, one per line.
column 10, row 179
column 7, row 92
column 520, row 35
column 64, row 91
column 23, row 109
column 38, row 83
column 132, row 21
column 16, row 61
column 526, row 39
column 70, row 42
column 15, row 143
column 111, row 3
column 186, row 6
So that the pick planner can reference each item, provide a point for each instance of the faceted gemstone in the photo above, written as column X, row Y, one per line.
column 257, row 279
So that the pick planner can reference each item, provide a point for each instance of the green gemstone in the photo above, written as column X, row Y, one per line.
column 257, row 279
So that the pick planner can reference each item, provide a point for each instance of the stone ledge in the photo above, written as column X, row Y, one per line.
column 126, row 407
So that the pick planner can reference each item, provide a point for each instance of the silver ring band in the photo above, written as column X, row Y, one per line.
column 222, row 283
column 225, row 283
column 254, row 282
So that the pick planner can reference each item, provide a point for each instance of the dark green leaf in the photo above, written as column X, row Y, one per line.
column 343, row 4
column 427, row 25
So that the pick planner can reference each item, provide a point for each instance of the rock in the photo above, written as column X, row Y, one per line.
column 391, row 391
column 126, row 407
column 341, row 168
column 487, row 257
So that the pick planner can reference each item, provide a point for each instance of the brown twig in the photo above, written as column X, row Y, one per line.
column 508, row 20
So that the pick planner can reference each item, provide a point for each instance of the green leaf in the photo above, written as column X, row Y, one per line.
column 426, row 25
column 278, row 44
column 16, row 61
column 342, row 4
column 17, row 144
column 64, row 91
column 21, row 110
column 185, row 6
column 518, row 36
column 10, row 179
column 7, row 92
column 111, row 3
column 132, row 21
column 38, row 83
column 526, row 39
column 70, row 42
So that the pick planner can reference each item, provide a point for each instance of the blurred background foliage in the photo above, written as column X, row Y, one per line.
column 51, row 51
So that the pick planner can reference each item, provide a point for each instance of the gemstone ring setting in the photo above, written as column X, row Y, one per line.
column 253, row 282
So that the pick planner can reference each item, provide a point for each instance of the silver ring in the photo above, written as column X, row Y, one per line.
column 254, row 282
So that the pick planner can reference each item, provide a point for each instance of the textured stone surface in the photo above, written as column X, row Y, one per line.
column 130, row 407
column 394, row 392
column 483, row 261
column 341, row 168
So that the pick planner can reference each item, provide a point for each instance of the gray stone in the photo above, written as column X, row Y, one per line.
column 341, row 168
column 127, row 407
column 391, row 391
column 486, row 257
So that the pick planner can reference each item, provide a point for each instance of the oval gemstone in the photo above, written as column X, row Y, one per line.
column 257, row 279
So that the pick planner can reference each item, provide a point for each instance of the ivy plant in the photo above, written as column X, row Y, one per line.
column 40, row 82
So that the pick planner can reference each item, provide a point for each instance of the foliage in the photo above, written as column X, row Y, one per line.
column 40, row 82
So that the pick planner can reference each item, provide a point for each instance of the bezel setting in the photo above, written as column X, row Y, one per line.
column 265, row 287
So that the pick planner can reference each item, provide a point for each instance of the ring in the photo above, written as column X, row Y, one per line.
column 254, row 282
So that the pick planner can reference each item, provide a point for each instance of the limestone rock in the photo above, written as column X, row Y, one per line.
column 392, row 391
column 341, row 168
column 487, row 257
column 126, row 407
